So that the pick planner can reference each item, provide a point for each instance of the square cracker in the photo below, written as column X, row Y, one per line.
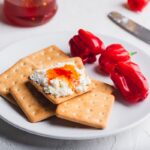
column 40, row 59
column 13, row 76
column 58, row 100
column 47, row 56
column 103, row 87
column 31, row 102
column 91, row 109
column 35, row 106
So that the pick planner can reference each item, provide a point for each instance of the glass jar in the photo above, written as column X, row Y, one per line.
column 29, row 12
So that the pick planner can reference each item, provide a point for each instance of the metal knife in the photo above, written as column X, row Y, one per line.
column 130, row 26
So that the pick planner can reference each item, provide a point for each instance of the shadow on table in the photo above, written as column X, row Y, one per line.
column 16, row 136
column 64, row 123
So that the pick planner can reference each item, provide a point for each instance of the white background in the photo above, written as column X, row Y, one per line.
column 71, row 15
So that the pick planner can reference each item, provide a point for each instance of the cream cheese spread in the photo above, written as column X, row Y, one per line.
column 60, row 87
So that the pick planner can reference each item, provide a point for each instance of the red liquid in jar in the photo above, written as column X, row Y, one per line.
column 29, row 12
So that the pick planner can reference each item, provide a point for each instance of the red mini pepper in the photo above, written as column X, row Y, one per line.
column 137, row 5
column 86, row 45
column 113, row 54
column 130, row 81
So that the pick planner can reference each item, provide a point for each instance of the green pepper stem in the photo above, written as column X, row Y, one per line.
column 133, row 53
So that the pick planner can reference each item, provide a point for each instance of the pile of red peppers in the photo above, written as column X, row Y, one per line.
column 86, row 45
column 114, row 61
column 137, row 5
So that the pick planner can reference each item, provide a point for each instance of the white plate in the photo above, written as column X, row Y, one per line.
column 122, row 117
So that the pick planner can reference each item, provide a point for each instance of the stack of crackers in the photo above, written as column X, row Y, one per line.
column 91, row 108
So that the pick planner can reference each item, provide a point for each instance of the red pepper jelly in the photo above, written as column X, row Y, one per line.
column 29, row 12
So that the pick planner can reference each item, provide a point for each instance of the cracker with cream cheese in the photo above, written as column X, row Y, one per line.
column 14, row 83
column 63, row 80
column 39, row 59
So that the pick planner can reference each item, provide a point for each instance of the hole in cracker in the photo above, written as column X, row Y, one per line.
column 78, row 106
column 6, row 89
column 34, row 112
column 103, row 113
column 74, row 114
column 95, row 95
column 29, row 106
column 14, row 83
column 63, row 110
column 17, row 89
column 106, row 98
column 24, row 64
column 100, row 120
column 93, row 102
column 23, row 76
column 65, row 104
column 58, row 54
column 88, row 117
column 104, row 105
column 6, row 77
column 105, row 88
column 16, row 70
column 91, row 110
column 95, row 84
column 79, row 99
column 51, row 49
column 22, row 97
column 76, row 62
column 49, row 58
column 42, row 53
column 31, row 69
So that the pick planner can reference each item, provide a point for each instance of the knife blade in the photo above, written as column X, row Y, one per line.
column 132, row 27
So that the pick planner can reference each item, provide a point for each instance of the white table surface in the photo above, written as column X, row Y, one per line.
column 71, row 15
